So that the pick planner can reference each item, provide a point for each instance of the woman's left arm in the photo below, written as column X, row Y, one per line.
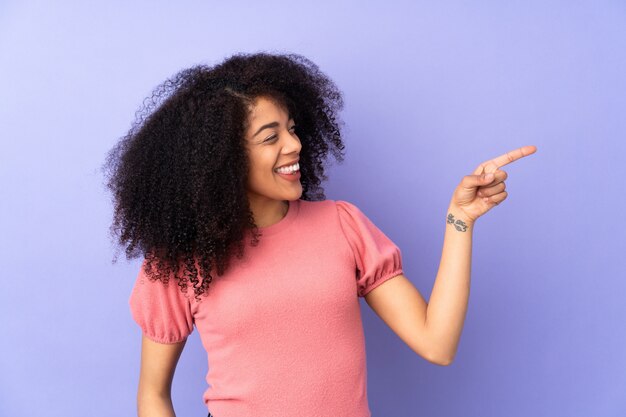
column 433, row 330
column 448, row 301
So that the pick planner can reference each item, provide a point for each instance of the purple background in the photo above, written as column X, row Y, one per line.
column 432, row 90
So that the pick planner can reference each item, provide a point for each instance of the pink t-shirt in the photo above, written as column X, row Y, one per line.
column 282, row 327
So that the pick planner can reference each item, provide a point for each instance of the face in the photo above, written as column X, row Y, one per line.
column 271, row 143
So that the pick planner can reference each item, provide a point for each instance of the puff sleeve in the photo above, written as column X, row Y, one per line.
column 377, row 257
column 164, row 313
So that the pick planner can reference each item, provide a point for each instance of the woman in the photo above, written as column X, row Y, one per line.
column 217, row 186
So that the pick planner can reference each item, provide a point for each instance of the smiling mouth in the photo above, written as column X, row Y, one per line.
column 288, row 171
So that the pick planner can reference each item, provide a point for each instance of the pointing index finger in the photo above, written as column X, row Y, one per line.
column 493, row 164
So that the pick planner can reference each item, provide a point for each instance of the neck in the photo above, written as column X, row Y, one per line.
column 268, row 212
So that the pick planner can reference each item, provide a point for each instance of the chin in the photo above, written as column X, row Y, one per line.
column 297, row 195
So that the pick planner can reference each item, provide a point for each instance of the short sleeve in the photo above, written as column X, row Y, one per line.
column 377, row 257
column 163, row 312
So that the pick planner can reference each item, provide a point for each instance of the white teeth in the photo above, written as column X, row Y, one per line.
column 288, row 170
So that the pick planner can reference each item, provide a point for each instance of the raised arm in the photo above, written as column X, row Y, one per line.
column 158, row 363
column 433, row 329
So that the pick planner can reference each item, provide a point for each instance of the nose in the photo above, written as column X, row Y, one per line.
column 293, row 143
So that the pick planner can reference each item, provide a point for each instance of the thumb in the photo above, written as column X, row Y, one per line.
column 471, row 182
column 487, row 178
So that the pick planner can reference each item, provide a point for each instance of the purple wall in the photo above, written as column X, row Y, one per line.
column 431, row 91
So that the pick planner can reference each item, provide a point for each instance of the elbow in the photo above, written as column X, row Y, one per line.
column 445, row 362
column 441, row 360
column 154, row 404
column 441, row 355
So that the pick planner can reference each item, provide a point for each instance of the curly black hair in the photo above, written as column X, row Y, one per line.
column 178, row 177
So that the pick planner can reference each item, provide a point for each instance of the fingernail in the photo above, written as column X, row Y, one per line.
column 489, row 176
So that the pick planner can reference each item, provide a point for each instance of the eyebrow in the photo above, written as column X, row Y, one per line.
column 273, row 124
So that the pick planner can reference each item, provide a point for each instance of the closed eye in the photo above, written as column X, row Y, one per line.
column 274, row 137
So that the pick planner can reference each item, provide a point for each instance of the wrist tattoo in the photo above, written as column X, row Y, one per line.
column 458, row 224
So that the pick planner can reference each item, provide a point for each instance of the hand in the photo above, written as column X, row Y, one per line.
column 476, row 195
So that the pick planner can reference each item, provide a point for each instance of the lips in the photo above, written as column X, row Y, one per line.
column 290, row 177
column 288, row 163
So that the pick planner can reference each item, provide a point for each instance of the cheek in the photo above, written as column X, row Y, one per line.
column 262, row 163
column 260, row 170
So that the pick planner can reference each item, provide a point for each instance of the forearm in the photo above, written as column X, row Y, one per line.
column 153, row 405
column 447, row 305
